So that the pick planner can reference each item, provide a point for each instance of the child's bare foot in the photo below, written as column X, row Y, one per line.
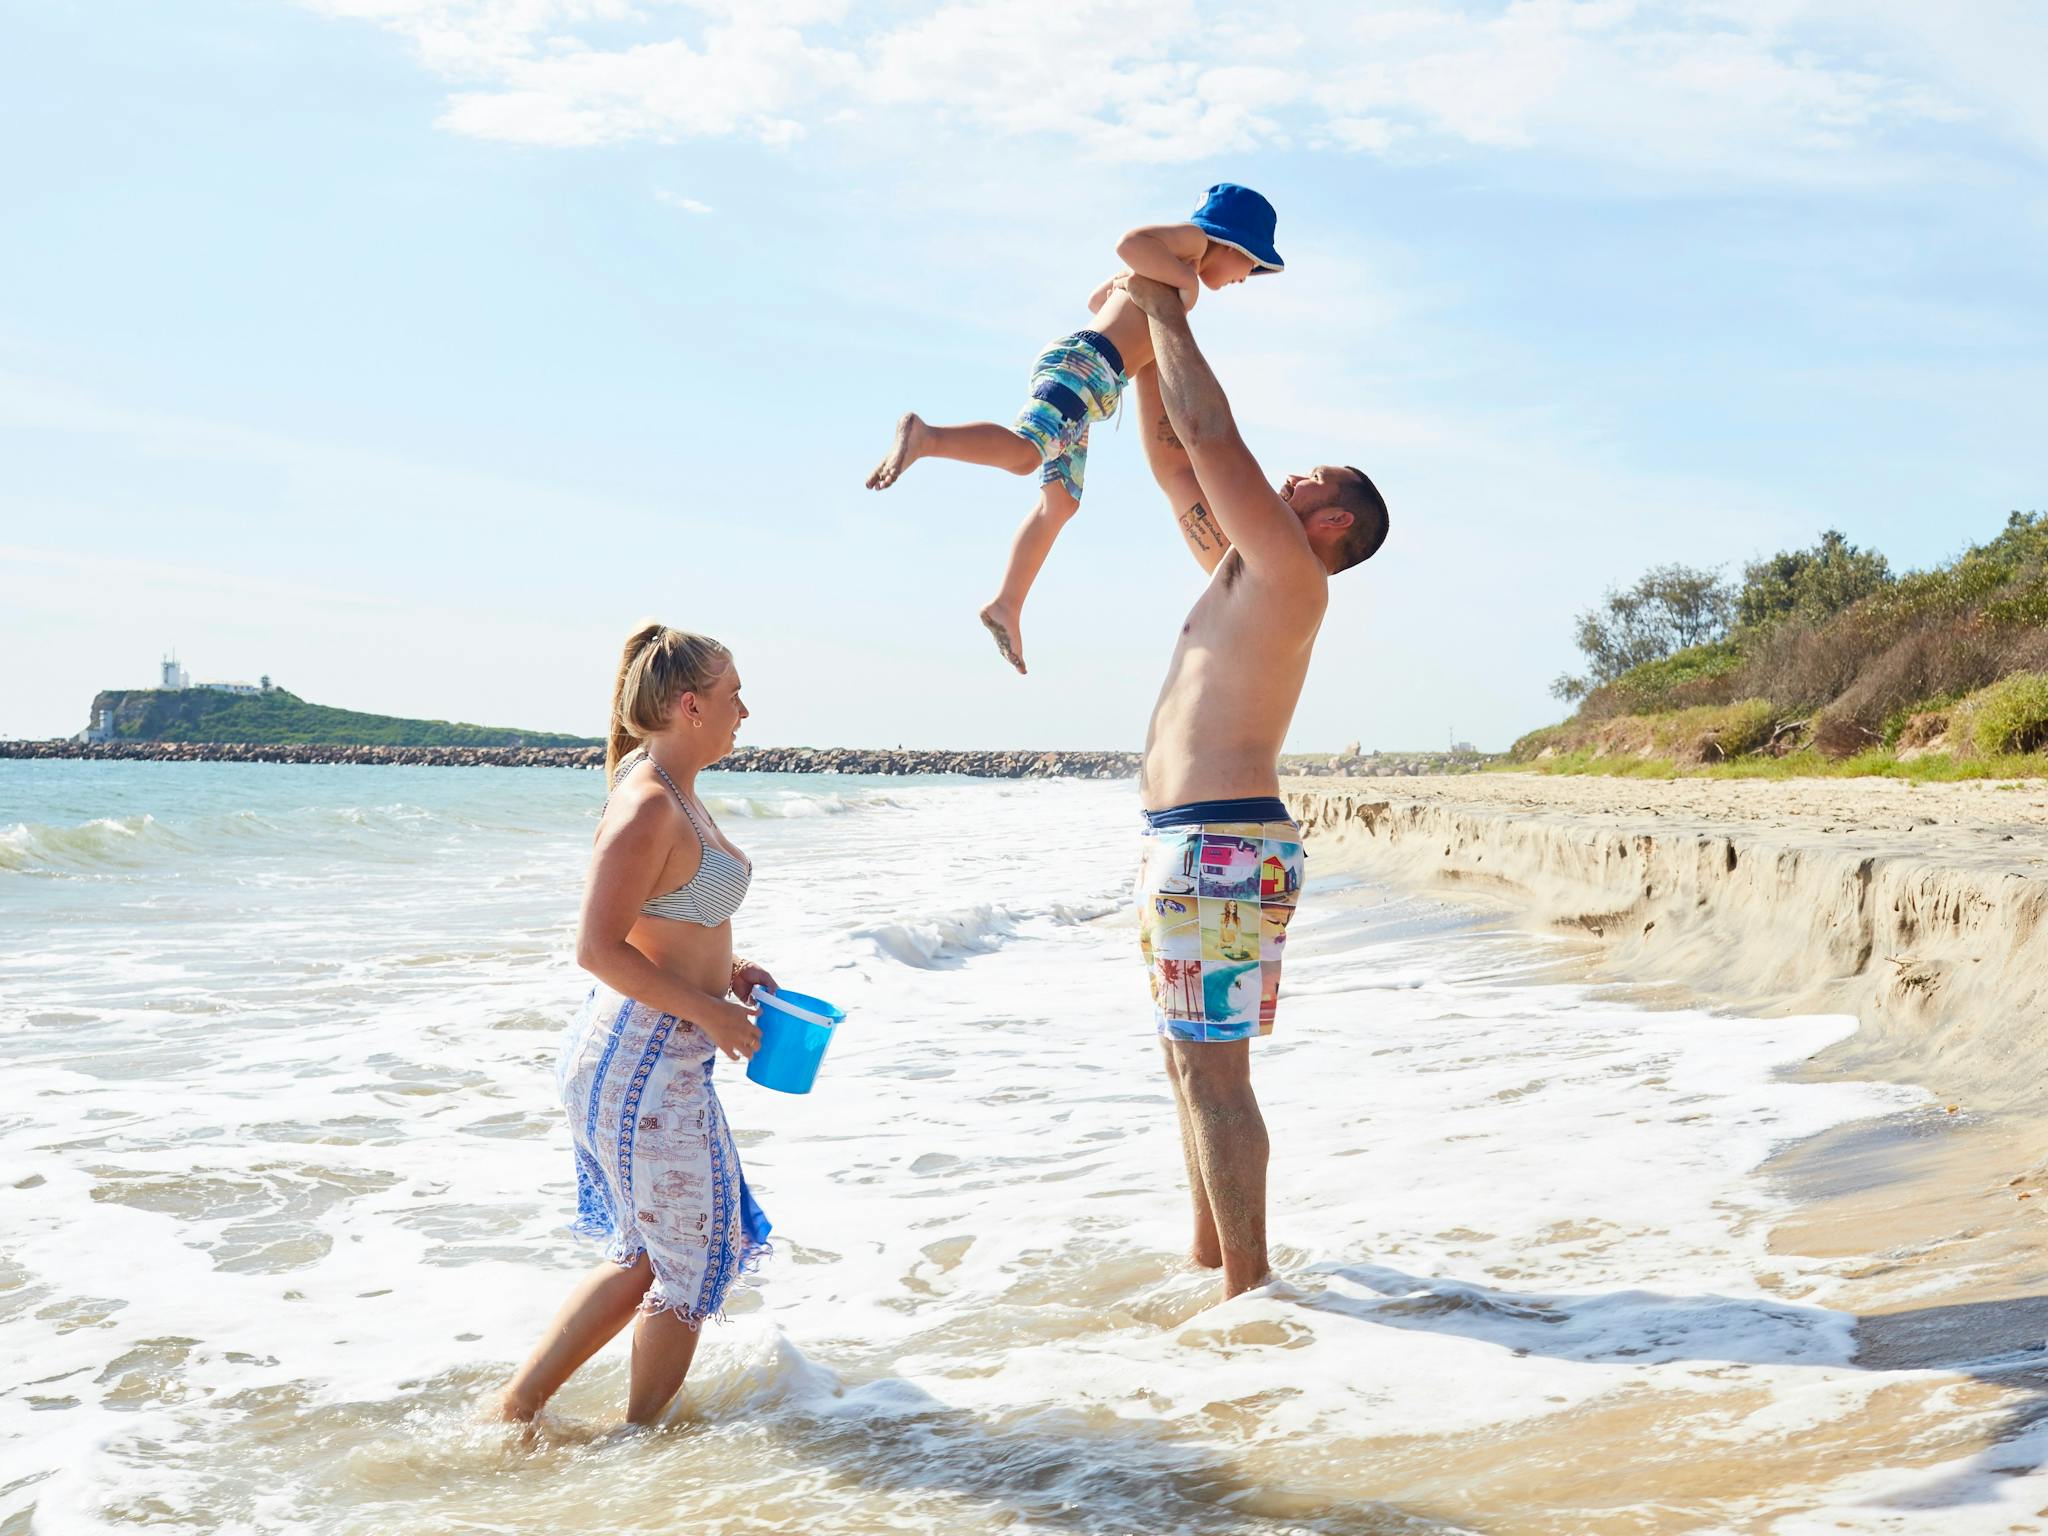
column 1002, row 623
column 904, row 452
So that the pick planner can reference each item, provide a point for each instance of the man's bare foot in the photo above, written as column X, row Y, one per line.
column 1239, row 1285
column 1205, row 1258
column 904, row 452
column 1002, row 623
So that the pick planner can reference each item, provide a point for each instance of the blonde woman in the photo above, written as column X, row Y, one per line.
column 658, row 1178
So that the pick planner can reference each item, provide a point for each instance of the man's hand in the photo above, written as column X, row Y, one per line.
column 1160, row 300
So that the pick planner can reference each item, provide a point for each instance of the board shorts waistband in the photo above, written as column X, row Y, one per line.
column 1201, row 812
column 1105, row 346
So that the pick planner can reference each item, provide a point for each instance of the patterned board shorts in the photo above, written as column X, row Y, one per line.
column 1077, row 380
column 1214, row 902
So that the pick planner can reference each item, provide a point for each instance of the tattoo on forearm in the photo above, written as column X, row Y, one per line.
column 1166, row 433
column 1199, row 530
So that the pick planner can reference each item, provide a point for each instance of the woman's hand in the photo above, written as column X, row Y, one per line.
column 732, row 1029
column 746, row 977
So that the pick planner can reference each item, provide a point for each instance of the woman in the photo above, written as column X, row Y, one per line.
column 657, row 1175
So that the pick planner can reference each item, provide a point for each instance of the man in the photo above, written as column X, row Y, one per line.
column 1223, row 863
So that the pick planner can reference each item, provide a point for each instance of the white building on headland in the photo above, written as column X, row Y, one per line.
column 176, row 680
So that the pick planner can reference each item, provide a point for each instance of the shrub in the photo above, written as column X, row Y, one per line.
column 1800, row 666
column 1810, row 584
column 1917, row 728
column 1700, row 674
column 1530, row 747
column 2008, row 717
column 1670, row 608
column 1839, row 736
column 1936, row 661
column 1713, row 734
column 2023, row 603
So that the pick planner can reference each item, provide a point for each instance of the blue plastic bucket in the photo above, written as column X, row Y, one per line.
column 795, row 1030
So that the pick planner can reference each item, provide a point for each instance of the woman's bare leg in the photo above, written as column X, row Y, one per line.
column 1004, row 616
column 602, row 1303
column 663, row 1347
column 978, row 442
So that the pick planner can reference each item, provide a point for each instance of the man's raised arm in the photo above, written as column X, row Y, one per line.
column 1175, row 473
column 1266, row 533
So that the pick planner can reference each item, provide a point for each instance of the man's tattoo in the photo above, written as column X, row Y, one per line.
column 1200, row 531
column 1166, row 433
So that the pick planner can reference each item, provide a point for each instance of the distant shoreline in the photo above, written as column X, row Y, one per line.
column 851, row 760
column 880, row 761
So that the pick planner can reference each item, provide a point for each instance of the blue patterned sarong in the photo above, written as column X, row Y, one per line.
column 656, row 1169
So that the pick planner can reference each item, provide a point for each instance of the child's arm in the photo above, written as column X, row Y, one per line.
column 1166, row 253
column 1101, row 295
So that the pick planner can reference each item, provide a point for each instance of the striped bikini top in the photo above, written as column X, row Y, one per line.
column 714, row 893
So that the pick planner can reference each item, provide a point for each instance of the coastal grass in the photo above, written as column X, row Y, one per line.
column 2009, row 716
column 1879, row 762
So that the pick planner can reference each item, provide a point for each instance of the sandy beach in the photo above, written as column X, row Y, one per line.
column 1580, row 1227
column 1917, row 908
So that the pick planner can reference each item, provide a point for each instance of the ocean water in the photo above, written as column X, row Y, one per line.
column 284, row 1192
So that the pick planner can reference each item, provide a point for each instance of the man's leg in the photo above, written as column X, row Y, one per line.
column 1215, row 1081
column 1206, row 1250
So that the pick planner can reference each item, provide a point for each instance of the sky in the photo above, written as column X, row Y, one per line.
column 412, row 351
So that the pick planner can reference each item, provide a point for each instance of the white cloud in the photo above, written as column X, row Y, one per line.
column 677, row 200
column 1758, row 88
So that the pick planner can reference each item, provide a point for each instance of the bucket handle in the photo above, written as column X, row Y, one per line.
column 803, row 1014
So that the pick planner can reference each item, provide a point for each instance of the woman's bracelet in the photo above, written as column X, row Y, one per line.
column 732, row 982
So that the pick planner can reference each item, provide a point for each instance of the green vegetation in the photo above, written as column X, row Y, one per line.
column 1671, row 608
column 1819, row 660
column 1811, row 584
column 278, row 718
column 2011, row 716
column 1936, row 768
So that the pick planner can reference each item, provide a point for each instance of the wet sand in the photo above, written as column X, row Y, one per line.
column 1915, row 908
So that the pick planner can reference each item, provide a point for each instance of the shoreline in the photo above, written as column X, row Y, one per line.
column 1004, row 763
column 1012, row 764
column 1920, row 909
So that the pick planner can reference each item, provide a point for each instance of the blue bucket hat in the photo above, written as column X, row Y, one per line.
column 1243, row 220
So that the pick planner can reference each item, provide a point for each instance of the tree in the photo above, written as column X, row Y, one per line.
column 1669, row 609
column 1810, row 584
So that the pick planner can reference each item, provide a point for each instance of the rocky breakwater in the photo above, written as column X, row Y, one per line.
column 306, row 752
column 982, row 765
column 1922, row 910
column 1354, row 764
column 853, row 760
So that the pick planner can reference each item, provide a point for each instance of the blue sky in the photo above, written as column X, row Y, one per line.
column 411, row 350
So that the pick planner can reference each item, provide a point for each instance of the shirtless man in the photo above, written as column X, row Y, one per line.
column 1218, row 841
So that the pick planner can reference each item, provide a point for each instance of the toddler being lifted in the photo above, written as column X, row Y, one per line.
column 1079, row 378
